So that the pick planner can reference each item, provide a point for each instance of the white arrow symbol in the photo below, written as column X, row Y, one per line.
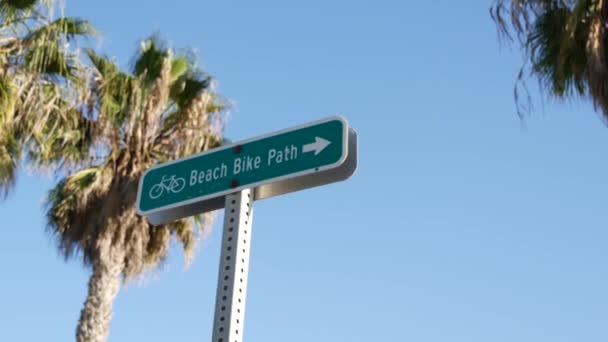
column 319, row 145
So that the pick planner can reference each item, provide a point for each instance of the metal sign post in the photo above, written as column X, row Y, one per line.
column 234, row 176
column 234, row 267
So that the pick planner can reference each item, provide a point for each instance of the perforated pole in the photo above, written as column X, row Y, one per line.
column 234, row 267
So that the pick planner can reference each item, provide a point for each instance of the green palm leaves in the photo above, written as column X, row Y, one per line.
column 15, row 9
column 10, row 153
column 564, row 44
column 41, row 88
column 557, row 51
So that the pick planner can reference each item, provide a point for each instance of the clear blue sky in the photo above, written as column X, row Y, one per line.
column 461, row 224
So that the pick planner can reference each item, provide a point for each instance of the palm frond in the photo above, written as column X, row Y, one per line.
column 148, row 62
column 563, row 43
column 158, row 245
column 68, row 212
column 66, row 140
column 104, row 66
column 188, row 87
column 48, row 58
column 9, row 146
column 112, row 89
column 10, row 155
column 19, row 5
column 179, row 67
column 12, row 9
column 62, row 28
column 557, row 50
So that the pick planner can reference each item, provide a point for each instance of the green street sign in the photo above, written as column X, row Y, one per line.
column 272, row 164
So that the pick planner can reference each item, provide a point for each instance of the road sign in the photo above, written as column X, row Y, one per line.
column 301, row 157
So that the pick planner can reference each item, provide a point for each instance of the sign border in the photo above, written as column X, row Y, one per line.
column 345, row 152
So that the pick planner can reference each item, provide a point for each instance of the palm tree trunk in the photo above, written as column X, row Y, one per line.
column 95, row 317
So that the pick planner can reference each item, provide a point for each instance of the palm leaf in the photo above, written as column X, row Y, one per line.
column 65, row 219
column 564, row 45
column 149, row 61
column 20, row 5
column 12, row 9
column 68, row 28
column 9, row 147
column 65, row 139
column 187, row 88
column 10, row 154
column 557, row 49
column 49, row 59
column 105, row 67
column 113, row 89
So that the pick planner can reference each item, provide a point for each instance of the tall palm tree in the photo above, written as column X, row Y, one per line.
column 42, row 89
column 564, row 42
column 164, row 109
column 101, row 128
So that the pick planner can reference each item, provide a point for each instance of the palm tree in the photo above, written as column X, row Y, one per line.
column 564, row 42
column 100, row 128
column 42, row 89
column 165, row 109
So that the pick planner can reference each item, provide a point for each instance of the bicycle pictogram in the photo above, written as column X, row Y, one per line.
column 170, row 184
